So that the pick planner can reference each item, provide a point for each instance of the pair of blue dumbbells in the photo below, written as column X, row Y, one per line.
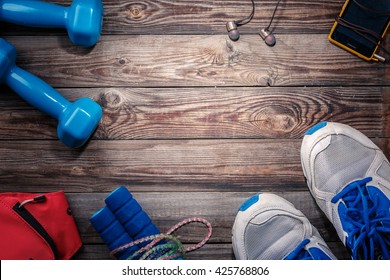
column 121, row 222
column 83, row 21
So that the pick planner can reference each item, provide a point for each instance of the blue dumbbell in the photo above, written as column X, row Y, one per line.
column 112, row 232
column 76, row 121
column 130, row 214
column 83, row 19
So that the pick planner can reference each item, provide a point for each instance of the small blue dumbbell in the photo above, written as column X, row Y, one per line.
column 130, row 214
column 76, row 121
column 112, row 232
column 83, row 19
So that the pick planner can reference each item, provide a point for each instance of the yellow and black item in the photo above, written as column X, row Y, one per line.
column 361, row 27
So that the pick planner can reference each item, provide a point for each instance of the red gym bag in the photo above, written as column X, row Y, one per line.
column 37, row 226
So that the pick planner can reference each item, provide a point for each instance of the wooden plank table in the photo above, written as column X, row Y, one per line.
column 193, row 123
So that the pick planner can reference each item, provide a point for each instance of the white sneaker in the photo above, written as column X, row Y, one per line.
column 349, row 177
column 268, row 227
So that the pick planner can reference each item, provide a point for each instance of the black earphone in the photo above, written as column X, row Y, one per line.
column 265, row 33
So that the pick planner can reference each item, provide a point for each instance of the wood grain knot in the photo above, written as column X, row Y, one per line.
column 273, row 119
column 110, row 99
column 78, row 171
column 136, row 11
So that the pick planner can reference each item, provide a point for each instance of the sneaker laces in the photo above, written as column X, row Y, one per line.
column 300, row 253
column 368, row 237
column 165, row 246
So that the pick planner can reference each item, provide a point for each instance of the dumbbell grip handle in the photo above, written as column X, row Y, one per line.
column 36, row 92
column 33, row 13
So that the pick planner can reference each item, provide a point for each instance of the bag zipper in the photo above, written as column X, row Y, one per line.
column 29, row 218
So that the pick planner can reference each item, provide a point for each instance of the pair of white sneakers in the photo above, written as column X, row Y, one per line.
column 349, row 178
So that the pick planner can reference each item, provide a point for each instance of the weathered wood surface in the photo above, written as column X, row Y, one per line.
column 208, row 113
column 155, row 165
column 152, row 165
column 205, row 17
column 196, row 61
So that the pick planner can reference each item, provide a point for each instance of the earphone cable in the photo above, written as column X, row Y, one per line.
column 247, row 19
column 273, row 16
column 354, row 27
column 364, row 32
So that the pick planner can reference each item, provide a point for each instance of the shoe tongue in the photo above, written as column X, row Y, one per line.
column 275, row 239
